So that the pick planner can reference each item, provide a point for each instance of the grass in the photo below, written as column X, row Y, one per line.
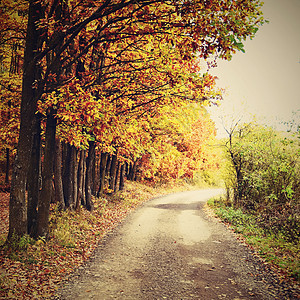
column 273, row 248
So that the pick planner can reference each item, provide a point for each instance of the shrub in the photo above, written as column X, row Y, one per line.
column 264, row 174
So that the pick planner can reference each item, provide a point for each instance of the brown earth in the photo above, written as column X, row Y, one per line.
column 171, row 248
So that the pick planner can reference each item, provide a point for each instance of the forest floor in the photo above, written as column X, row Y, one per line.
column 38, row 270
column 35, row 268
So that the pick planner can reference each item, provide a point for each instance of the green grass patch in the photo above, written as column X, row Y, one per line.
column 274, row 248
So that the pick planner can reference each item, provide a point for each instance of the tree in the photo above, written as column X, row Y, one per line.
column 179, row 144
column 237, row 132
column 30, row 95
column 12, row 28
column 266, row 176
column 61, row 37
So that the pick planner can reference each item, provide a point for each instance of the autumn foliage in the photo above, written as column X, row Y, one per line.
column 94, row 93
column 100, row 91
column 181, row 145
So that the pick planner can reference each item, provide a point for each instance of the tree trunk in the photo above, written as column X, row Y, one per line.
column 34, row 179
column 83, row 199
column 7, row 166
column 127, row 168
column 30, row 95
column 69, row 175
column 88, row 181
column 107, row 168
column 116, row 177
column 47, row 176
column 75, row 166
column 80, row 175
column 66, row 173
column 103, row 161
column 113, row 170
column 93, row 183
column 59, row 192
column 122, row 171
column 132, row 171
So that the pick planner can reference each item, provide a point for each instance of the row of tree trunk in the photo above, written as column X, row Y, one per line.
column 81, row 174
column 78, row 175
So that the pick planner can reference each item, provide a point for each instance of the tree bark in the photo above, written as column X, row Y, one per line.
column 93, row 183
column 132, row 171
column 88, row 180
column 70, row 166
column 34, row 179
column 47, row 176
column 122, row 171
column 127, row 169
column 80, row 175
column 83, row 198
column 116, row 177
column 103, row 161
column 7, row 166
column 113, row 170
column 107, row 168
column 59, row 191
column 75, row 166
column 66, row 174
column 30, row 95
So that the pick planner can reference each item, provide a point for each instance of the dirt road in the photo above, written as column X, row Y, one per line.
column 171, row 249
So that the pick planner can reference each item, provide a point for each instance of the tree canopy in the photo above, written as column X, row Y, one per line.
column 96, row 74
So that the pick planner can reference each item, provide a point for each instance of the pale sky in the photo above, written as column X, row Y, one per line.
column 265, row 80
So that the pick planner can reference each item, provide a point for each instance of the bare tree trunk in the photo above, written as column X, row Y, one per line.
column 80, row 175
column 83, row 199
column 113, row 170
column 121, row 184
column 34, row 179
column 7, row 166
column 88, row 181
column 75, row 176
column 103, row 161
column 30, row 95
column 93, row 183
column 107, row 168
column 59, row 192
column 70, row 171
column 67, row 182
column 117, row 177
column 132, row 171
column 127, row 170
column 47, row 176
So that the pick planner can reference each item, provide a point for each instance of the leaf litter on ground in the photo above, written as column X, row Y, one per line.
column 36, row 271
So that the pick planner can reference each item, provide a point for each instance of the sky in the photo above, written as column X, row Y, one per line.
column 264, row 81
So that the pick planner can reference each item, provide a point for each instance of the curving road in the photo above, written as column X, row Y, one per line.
column 171, row 249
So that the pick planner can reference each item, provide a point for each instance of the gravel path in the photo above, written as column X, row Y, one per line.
column 170, row 248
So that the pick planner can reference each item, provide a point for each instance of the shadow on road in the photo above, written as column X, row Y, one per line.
column 175, row 206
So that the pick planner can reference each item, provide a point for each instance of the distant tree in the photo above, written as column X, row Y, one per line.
column 265, row 176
